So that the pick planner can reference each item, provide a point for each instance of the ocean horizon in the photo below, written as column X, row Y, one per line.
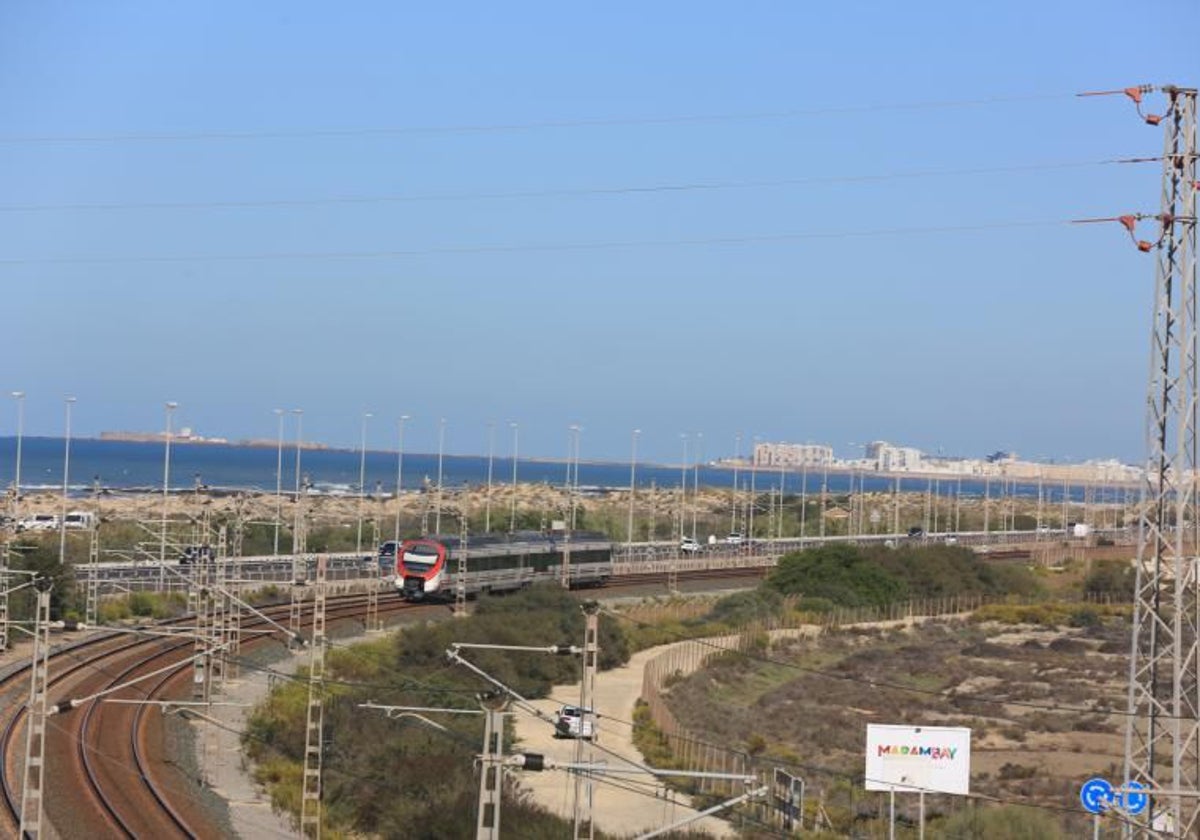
column 124, row 465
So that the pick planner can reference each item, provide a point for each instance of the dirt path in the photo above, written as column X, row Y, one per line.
column 631, row 802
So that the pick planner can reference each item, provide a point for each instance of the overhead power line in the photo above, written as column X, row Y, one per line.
column 479, row 128
column 763, row 239
column 565, row 192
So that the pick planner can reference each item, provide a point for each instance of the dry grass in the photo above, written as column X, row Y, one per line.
column 1021, row 689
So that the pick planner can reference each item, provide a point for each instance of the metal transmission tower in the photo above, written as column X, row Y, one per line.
column 314, row 733
column 1162, row 741
column 35, row 726
column 299, row 561
column 220, row 611
column 460, row 580
column 3, row 596
column 201, row 596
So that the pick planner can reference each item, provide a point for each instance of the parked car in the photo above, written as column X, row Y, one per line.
column 569, row 723
column 916, row 532
column 38, row 522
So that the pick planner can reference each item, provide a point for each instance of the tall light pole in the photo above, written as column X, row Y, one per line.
column 362, row 477
column 573, row 455
column 632, row 476
column 298, row 518
column 753, row 492
column 399, row 477
column 437, row 519
column 737, row 457
column 683, row 471
column 278, row 412
column 299, row 412
column 162, row 545
column 19, row 396
column 62, row 522
column 696, row 479
column 512, row 516
column 487, row 516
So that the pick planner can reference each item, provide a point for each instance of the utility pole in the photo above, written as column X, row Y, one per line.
column 201, row 597
column 587, row 720
column 460, row 580
column 91, row 605
column 1162, row 750
column 220, row 609
column 299, row 559
column 35, row 727
column 4, row 595
column 491, row 766
column 314, row 731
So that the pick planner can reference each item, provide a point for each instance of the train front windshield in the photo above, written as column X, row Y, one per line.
column 420, row 558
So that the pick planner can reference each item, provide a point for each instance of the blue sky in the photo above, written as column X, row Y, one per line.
column 830, row 222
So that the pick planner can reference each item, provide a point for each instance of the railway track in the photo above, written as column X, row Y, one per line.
column 105, row 773
column 107, row 754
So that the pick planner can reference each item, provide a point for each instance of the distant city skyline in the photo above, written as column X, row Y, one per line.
column 852, row 455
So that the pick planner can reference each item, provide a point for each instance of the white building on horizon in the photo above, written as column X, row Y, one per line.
column 792, row 455
column 889, row 458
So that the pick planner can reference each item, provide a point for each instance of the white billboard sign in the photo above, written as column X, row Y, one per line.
column 915, row 758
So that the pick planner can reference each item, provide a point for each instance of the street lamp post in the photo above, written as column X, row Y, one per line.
column 162, row 545
column 278, row 476
column 437, row 518
column 803, row 496
column 737, row 457
column 399, row 477
column 62, row 522
column 683, row 465
column 753, row 478
column 487, row 516
column 19, row 396
column 574, row 488
column 362, row 478
column 299, row 412
column 512, row 516
column 696, row 479
column 297, row 520
column 632, row 475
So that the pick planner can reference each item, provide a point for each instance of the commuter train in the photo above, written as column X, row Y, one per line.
column 428, row 567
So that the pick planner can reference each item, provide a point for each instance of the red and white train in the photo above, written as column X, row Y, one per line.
column 428, row 567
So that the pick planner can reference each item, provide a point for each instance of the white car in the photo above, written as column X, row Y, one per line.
column 569, row 723
column 734, row 539
column 689, row 546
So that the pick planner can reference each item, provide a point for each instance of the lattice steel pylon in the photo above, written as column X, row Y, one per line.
column 1162, row 743
column 314, row 733
column 3, row 596
column 32, row 786
column 201, row 596
column 299, row 563
column 460, row 579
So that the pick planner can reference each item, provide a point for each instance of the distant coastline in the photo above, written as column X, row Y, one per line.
column 186, row 436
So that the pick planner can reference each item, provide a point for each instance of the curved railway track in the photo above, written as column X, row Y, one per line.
column 105, row 754
column 104, row 751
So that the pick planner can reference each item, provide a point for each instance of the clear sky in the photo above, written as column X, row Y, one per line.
column 830, row 222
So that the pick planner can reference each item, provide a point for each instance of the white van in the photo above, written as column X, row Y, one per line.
column 80, row 520
column 38, row 522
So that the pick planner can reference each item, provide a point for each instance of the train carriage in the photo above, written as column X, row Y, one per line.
column 428, row 567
